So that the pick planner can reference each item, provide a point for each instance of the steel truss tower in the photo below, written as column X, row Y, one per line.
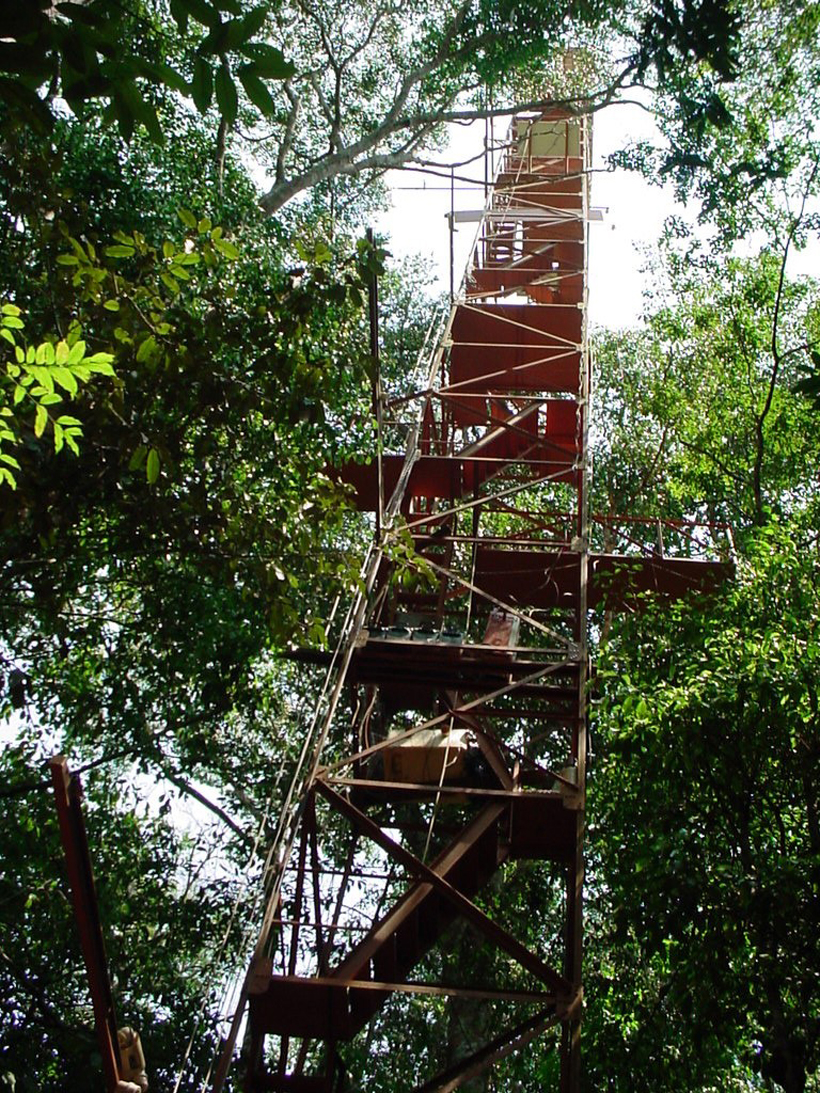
column 436, row 840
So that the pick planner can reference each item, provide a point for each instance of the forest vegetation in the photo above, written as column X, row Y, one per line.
column 184, row 352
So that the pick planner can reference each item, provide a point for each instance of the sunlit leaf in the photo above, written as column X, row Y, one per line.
column 226, row 95
column 152, row 465
column 40, row 420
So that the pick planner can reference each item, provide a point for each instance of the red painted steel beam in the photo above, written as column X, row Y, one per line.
column 482, row 922
column 68, row 796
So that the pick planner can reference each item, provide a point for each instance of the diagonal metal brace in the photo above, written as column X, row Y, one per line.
column 505, row 1044
column 495, row 933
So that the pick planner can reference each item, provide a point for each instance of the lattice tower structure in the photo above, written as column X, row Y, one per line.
column 436, row 839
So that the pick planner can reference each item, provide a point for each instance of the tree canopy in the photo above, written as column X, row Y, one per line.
column 707, row 836
column 184, row 352
column 703, row 790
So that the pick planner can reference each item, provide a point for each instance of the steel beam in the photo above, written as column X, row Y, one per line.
column 68, row 797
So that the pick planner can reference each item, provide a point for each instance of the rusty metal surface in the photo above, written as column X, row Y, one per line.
column 482, row 636
column 68, row 797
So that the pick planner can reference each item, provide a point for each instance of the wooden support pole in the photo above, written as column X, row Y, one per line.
column 68, row 795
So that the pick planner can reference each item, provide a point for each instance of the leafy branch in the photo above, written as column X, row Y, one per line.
column 29, row 383
column 108, row 50
column 139, row 285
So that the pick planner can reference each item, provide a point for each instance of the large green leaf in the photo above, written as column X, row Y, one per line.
column 202, row 85
column 226, row 95
column 202, row 11
column 269, row 61
column 256, row 90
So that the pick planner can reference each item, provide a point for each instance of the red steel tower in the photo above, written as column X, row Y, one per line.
column 432, row 848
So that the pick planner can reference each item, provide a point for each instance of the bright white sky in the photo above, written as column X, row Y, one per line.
column 634, row 213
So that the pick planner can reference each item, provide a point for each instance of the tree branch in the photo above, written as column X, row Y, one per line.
column 363, row 154
column 776, row 355
column 290, row 128
column 28, row 787
column 192, row 792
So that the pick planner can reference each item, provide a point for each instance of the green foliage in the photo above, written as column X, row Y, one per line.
column 705, row 831
column 737, row 140
column 682, row 408
column 29, row 384
column 809, row 385
column 674, row 32
column 151, row 579
column 76, row 50
column 703, row 797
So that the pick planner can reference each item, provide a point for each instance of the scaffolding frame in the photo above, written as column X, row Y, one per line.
column 448, row 753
